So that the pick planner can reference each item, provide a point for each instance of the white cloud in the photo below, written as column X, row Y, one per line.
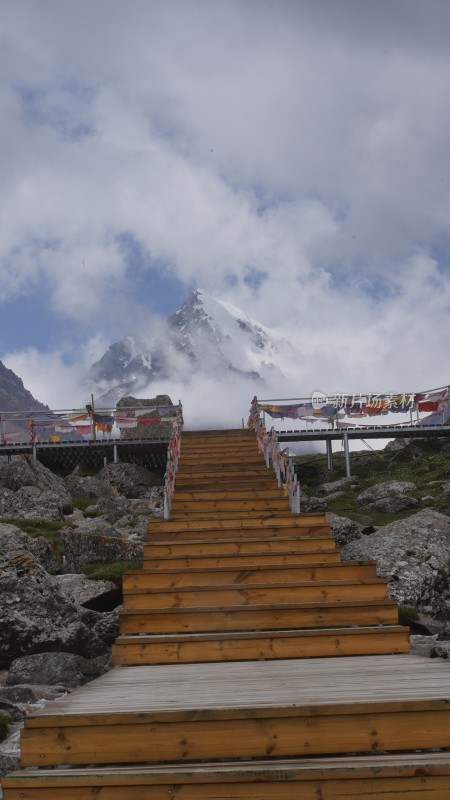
column 305, row 141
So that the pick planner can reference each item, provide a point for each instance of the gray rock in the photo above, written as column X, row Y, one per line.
column 25, row 471
column 335, row 486
column 82, row 548
column 107, row 627
column 311, row 504
column 62, row 669
column 13, row 539
column 440, row 650
column 95, row 526
column 114, row 509
column 445, row 491
column 343, row 529
column 30, row 490
column 17, row 694
column 14, row 712
column 390, row 496
column 36, row 615
column 422, row 645
column 414, row 555
column 81, row 589
column 130, row 480
column 89, row 486
column 30, row 502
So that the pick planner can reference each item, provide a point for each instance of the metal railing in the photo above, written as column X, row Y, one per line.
column 282, row 463
column 173, row 455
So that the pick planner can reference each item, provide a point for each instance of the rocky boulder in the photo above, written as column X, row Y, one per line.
column 89, row 486
column 95, row 526
column 83, row 590
column 343, row 529
column 391, row 496
column 30, row 490
column 61, row 669
column 81, row 548
column 130, row 480
column 338, row 486
column 414, row 555
column 13, row 539
column 36, row 615
column 25, row 471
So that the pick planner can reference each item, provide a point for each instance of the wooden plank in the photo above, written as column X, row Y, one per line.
column 305, row 592
column 259, row 617
column 174, row 578
column 243, row 561
column 241, row 505
column 251, row 646
column 381, row 777
column 240, row 546
column 230, row 494
column 275, row 736
column 288, row 520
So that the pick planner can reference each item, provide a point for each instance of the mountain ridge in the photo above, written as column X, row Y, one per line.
column 205, row 336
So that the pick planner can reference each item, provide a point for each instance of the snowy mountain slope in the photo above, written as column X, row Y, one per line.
column 205, row 335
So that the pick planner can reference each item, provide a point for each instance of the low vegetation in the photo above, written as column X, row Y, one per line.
column 423, row 462
column 110, row 572
column 4, row 725
column 49, row 529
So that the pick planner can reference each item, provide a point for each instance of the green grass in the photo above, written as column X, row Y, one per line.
column 407, row 614
column 110, row 572
column 82, row 503
column 49, row 529
column 4, row 725
column 373, row 467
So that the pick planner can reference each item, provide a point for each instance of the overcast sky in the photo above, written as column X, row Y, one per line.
column 291, row 156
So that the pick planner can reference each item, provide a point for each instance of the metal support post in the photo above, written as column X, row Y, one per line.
column 115, row 454
column 297, row 499
column 346, row 454
column 34, row 451
column 329, row 455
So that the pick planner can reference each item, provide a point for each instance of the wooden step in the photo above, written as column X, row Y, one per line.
column 273, row 493
column 224, row 484
column 270, row 616
column 234, row 513
column 402, row 776
column 286, row 708
column 301, row 592
column 237, row 456
column 250, row 645
column 239, row 546
column 195, row 534
column 240, row 561
column 307, row 522
column 238, row 506
column 293, row 573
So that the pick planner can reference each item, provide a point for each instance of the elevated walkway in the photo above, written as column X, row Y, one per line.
column 252, row 663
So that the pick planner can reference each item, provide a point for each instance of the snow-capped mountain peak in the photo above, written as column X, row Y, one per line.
column 206, row 335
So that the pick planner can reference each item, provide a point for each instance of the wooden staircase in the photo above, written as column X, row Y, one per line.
column 242, row 665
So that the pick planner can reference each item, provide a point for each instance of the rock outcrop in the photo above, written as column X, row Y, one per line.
column 391, row 496
column 36, row 615
column 12, row 539
column 82, row 548
column 130, row 480
column 61, row 669
column 414, row 555
column 30, row 490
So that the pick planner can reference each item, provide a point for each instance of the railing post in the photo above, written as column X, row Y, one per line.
column 329, row 455
column 346, row 454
